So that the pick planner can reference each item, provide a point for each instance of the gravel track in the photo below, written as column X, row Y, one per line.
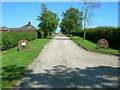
column 62, row 64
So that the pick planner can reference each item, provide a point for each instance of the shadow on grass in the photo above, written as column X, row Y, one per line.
column 12, row 72
column 63, row 77
column 47, row 37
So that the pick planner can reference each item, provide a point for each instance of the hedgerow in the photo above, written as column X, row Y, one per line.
column 111, row 34
column 11, row 39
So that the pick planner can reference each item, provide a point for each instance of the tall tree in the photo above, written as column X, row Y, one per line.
column 88, row 8
column 48, row 20
column 72, row 21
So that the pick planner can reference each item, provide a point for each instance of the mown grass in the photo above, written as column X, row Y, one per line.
column 14, row 62
column 90, row 45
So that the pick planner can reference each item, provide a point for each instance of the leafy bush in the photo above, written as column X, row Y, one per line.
column 11, row 39
column 40, row 34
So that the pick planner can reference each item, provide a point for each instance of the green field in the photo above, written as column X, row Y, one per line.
column 14, row 62
column 90, row 45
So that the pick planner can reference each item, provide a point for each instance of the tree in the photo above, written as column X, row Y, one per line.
column 48, row 21
column 88, row 8
column 72, row 21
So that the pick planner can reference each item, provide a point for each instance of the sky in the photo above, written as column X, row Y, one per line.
column 17, row 14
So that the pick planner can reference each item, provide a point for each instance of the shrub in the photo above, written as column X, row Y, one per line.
column 40, row 34
column 11, row 39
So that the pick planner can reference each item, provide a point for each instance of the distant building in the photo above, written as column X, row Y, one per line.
column 27, row 27
column 3, row 29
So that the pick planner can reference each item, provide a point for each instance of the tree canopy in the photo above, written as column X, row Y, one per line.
column 72, row 21
column 48, row 20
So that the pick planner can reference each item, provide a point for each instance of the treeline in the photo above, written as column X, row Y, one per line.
column 111, row 34
column 11, row 39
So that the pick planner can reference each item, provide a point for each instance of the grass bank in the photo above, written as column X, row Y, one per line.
column 14, row 62
column 91, row 46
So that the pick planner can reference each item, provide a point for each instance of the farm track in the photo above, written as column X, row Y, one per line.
column 62, row 64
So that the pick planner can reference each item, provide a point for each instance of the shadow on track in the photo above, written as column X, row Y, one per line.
column 63, row 77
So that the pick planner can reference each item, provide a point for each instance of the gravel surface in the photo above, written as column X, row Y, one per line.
column 62, row 64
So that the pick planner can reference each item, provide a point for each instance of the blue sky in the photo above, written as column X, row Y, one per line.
column 17, row 14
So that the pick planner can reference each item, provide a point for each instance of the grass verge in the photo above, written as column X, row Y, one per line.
column 14, row 62
column 91, row 46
